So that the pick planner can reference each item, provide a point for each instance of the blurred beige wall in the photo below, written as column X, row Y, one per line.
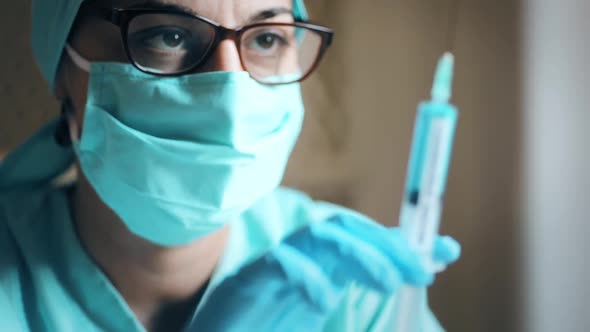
column 366, row 95
column 356, row 140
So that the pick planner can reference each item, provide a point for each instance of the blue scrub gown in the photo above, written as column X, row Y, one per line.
column 49, row 283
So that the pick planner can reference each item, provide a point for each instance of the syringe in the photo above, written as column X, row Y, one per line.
column 425, row 185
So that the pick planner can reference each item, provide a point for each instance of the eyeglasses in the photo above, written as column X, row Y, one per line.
column 166, row 42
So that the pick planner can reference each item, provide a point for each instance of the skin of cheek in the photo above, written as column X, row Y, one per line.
column 78, row 87
column 72, row 86
column 105, row 45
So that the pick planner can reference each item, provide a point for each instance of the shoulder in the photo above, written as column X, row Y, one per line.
column 27, row 227
column 25, row 213
column 23, row 218
column 14, row 207
column 8, row 241
column 30, row 235
column 10, row 287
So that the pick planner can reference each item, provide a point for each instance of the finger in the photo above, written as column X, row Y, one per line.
column 446, row 250
column 344, row 258
column 437, row 267
column 392, row 243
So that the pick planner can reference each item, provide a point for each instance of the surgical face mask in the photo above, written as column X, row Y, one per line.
column 178, row 158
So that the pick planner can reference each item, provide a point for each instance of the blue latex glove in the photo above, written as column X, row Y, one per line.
column 299, row 283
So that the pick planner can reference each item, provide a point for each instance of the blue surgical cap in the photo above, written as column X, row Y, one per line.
column 52, row 21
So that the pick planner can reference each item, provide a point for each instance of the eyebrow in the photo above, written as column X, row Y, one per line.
column 268, row 14
column 256, row 17
column 160, row 4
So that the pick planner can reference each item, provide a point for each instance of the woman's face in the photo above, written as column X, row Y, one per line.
column 99, row 40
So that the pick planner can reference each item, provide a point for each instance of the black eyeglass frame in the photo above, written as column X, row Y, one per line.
column 121, row 17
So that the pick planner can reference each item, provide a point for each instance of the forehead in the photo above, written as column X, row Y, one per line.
column 229, row 13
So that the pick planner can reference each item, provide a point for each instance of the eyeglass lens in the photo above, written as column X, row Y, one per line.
column 165, row 43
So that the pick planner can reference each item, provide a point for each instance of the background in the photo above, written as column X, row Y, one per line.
column 518, row 191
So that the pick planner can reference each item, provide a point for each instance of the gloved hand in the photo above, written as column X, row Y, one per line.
column 299, row 283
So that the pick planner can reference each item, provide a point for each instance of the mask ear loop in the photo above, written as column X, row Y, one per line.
column 67, row 130
column 78, row 60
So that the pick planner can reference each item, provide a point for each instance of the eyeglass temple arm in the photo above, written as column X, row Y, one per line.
column 112, row 15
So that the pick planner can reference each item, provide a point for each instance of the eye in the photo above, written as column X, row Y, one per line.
column 163, row 39
column 268, row 41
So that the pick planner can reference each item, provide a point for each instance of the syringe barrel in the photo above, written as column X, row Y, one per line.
column 427, row 173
